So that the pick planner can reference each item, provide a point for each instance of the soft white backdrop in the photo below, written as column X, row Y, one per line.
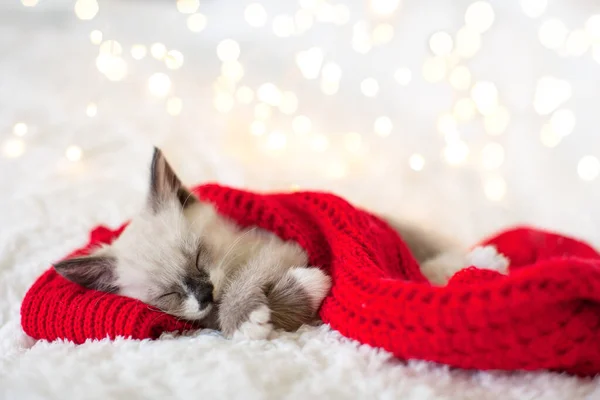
column 499, row 128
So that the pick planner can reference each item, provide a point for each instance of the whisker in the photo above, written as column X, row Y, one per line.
column 233, row 246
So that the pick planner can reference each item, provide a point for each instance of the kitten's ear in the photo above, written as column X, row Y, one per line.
column 94, row 272
column 164, row 183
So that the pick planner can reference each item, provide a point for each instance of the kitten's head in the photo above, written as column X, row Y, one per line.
column 158, row 259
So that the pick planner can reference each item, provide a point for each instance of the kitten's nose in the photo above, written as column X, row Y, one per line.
column 204, row 295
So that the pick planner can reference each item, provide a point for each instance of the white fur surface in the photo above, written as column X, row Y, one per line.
column 48, row 204
column 488, row 257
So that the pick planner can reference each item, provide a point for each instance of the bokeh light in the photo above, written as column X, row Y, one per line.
column 383, row 126
column 479, row 16
column 196, row 22
column 588, row 168
column 159, row 84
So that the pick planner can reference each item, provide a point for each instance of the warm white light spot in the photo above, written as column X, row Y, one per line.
column 492, row 156
column 550, row 93
column 534, row 8
column 73, row 153
column 331, row 72
column 497, row 122
column 303, row 20
column 464, row 109
column 384, row 7
column 96, row 37
column 188, row 6
column 289, row 103
column 383, row 126
column 301, row 124
column 159, row 84
column 138, row 51
column 485, row 96
column 29, row 3
column 563, row 122
column 325, row 12
column 196, row 22
column 588, row 168
column 262, row 111
column 283, row 26
column 174, row 106
column 341, row 14
column 20, row 129
column 578, row 42
column 592, row 27
column 276, row 141
column 369, row 87
column 479, row 16
column 320, row 142
column 552, row 33
column 244, row 95
column 86, row 9
column 361, row 39
column 456, row 152
column 255, row 15
column 416, row 162
column 232, row 70
column 258, row 128
column 310, row 5
column 447, row 125
column 111, row 47
column 309, row 62
column 223, row 102
column 468, row 42
column 460, row 78
column 549, row 137
column 403, row 76
column 353, row 142
column 330, row 87
column 228, row 50
column 269, row 93
column 91, row 110
column 434, row 69
column 158, row 51
column 337, row 169
column 114, row 68
column 174, row 59
column 495, row 188
column 382, row 34
column 13, row 148
column 330, row 78
column 441, row 43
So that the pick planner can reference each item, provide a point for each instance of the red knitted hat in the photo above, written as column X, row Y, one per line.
column 545, row 314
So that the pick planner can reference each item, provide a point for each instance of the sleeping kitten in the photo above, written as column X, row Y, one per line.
column 179, row 255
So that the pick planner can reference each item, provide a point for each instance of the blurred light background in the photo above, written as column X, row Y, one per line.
column 466, row 115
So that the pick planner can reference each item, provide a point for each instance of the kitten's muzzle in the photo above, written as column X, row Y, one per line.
column 204, row 295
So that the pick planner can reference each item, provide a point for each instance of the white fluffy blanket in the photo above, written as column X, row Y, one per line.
column 48, row 204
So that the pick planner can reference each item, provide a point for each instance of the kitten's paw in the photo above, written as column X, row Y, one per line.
column 488, row 257
column 315, row 283
column 257, row 327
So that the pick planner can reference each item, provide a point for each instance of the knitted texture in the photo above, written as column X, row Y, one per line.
column 545, row 314
column 55, row 308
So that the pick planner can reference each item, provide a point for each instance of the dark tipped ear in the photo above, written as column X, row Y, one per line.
column 93, row 272
column 186, row 198
column 164, row 183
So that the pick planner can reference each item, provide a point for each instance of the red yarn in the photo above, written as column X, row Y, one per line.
column 544, row 315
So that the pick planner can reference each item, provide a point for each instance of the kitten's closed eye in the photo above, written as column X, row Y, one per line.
column 162, row 296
